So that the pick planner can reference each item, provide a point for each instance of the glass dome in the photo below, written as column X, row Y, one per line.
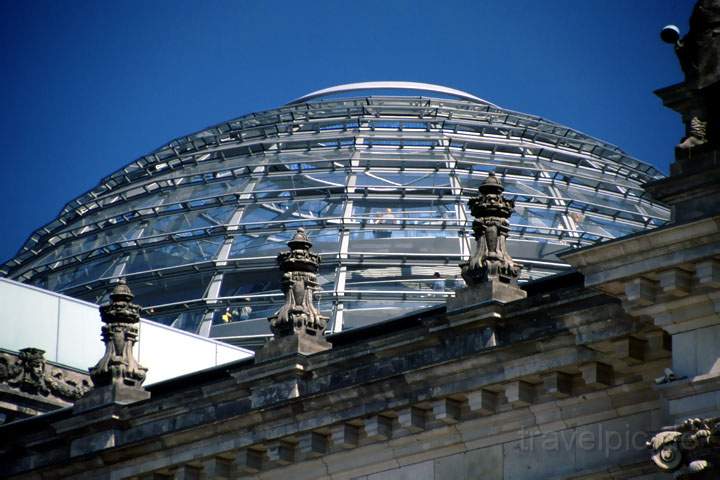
column 379, row 182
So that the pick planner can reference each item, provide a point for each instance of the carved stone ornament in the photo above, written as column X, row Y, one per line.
column 299, row 268
column 690, row 450
column 490, row 260
column 699, row 55
column 30, row 374
column 120, row 333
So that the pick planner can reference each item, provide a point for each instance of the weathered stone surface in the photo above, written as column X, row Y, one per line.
column 483, row 402
column 379, row 427
column 412, row 419
column 486, row 463
column 298, row 327
column 313, row 444
column 299, row 266
column 291, row 345
column 345, row 435
column 336, row 409
column 117, row 393
column 418, row 471
column 447, row 410
column 708, row 273
column 490, row 291
column 490, row 259
column 120, row 333
column 30, row 385
column 597, row 374
column 519, row 393
column 557, row 384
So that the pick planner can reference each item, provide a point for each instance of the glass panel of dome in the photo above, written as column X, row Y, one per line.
column 385, row 241
column 288, row 210
column 360, row 313
column 188, row 321
column 90, row 242
column 172, row 255
column 242, row 311
column 239, row 283
column 396, row 180
column 393, row 211
column 81, row 273
column 298, row 185
column 259, row 245
column 269, row 244
column 339, row 156
column 422, row 284
column 605, row 228
column 150, row 292
column 398, row 158
column 188, row 220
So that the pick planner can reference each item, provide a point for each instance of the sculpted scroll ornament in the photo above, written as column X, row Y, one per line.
column 29, row 373
column 690, row 450
column 120, row 333
column 299, row 283
column 491, row 260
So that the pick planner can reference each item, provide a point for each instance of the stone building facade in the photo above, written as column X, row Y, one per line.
column 611, row 371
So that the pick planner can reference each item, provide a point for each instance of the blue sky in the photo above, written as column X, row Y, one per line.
column 87, row 87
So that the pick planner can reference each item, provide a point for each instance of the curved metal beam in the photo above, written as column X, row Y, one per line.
column 390, row 85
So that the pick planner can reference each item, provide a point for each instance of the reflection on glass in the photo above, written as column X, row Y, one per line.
column 379, row 183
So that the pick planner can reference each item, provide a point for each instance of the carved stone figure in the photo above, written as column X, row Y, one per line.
column 31, row 362
column 699, row 56
column 490, row 260
column 699, row 50
column 30, row 373
column 299, row 268
column 690, row 450
column 120, row 332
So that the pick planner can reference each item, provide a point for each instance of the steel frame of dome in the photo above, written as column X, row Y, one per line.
column 379, row 182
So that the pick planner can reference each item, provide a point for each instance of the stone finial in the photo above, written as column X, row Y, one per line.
column 120, row 333
column 690, row 450
column 298, row 326
column 490, row 260
column 299, row 268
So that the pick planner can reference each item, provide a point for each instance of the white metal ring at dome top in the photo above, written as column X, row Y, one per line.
column 390, row 85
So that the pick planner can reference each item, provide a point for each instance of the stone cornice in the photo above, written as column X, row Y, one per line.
column 401, row 383
column 637, row 254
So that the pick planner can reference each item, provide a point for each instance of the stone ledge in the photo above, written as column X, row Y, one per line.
column 291, row 345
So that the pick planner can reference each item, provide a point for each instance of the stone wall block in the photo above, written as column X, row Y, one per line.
column 187, row 472
column 630, row 350
column 155, row 476
column 558, row 384
column 313, row 444
column 218, row 469
column 345, row 435
column 483, row 402
column 250, row 460
column 379, row 427
column 519, row 393
column 640, row 291
column 281, row 453
column 447, row 410
column 597, row 374
column 708, row 273
column 659, row 342
column 412, row 419
column 675, row 282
